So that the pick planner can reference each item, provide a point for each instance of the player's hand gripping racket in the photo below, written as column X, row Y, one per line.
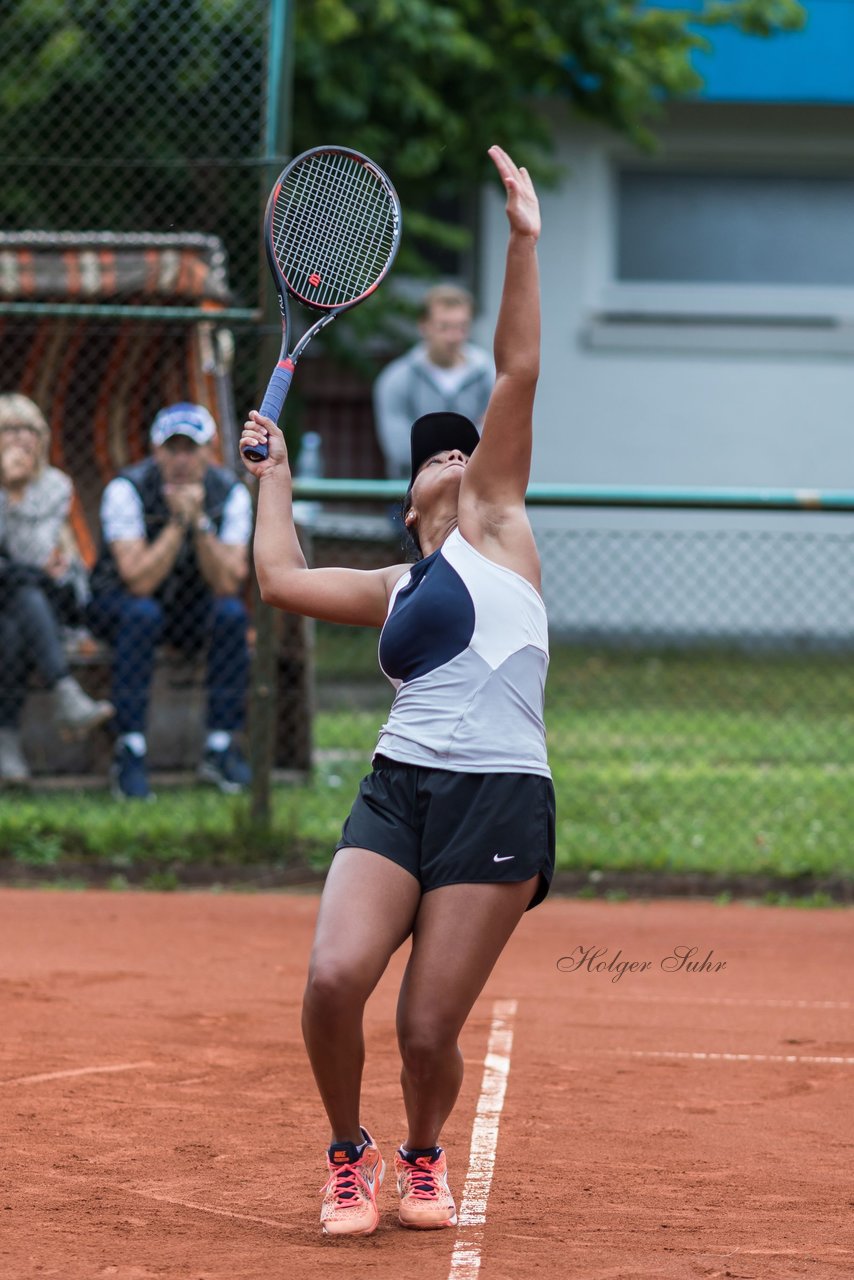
column 331, row 232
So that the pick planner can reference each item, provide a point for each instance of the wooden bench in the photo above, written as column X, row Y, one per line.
column 176, row 714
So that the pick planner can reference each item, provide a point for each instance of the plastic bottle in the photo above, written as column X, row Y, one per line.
column 309, row 467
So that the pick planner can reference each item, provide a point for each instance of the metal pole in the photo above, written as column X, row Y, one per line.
column 591, row 495
column 264, row 670
column 98, row 311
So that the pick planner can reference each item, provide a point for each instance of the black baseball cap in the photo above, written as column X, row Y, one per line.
column 434, row 432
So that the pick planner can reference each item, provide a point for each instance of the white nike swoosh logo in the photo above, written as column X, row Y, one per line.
column 508, row 858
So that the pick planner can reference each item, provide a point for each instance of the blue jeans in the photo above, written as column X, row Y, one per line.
column 135, row 625
column 30, row 640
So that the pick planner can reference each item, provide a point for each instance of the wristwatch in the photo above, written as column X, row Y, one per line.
column 204, row 524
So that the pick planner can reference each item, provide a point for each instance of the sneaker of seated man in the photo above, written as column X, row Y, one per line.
column 172, row 569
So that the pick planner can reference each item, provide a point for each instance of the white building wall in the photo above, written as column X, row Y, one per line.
column 767, row 402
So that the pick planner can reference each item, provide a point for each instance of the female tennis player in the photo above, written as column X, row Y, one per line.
column 451, row 837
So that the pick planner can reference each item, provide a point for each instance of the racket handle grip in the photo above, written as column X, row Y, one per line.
column 272, row 405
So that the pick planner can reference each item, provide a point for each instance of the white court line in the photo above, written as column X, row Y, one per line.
column 465, row 1260
column 206, row 1208
column 725, row 1000
column 733, row 1057
column 77, row 1071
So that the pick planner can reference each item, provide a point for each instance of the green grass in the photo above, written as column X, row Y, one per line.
column 684, row 762
column 184, row 826
column 704, row 762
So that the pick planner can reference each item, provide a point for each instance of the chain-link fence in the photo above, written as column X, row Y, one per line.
column 133, row 139
column 700, row 699
column 136, row 115
column 701, row 695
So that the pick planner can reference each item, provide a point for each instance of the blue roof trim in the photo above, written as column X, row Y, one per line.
column 812, row 65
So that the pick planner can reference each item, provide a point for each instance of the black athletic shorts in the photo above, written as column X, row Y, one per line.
column 456, row 828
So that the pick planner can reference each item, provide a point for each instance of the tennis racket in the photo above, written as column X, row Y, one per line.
column 331, row 232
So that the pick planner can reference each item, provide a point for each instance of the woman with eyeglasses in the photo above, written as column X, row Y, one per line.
column 42, row 585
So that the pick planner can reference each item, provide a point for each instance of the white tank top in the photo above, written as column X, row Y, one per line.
column 465, row 645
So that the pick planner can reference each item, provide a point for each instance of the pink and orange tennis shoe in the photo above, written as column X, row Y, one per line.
column 350, row 1193
column 425, row 1198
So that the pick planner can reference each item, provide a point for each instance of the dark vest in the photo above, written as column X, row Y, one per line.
column 185, row 579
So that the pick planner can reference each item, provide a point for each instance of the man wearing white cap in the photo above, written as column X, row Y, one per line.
column 174, row 561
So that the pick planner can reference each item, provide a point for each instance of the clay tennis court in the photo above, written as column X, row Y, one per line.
column 159, row 1119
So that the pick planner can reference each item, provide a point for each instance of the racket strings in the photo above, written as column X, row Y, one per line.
column 346, row 240
column 377, row 240
column 340, row 275
column 345, row 191
column 295, row 207
column 334, row 229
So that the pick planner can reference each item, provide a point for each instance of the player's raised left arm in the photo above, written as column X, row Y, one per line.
column 497, row 476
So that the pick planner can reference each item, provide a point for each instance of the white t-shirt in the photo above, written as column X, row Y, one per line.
column 450, row 380
column 123, row 515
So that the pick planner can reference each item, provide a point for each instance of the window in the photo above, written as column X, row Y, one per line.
column 735, row 228
column 728, row 261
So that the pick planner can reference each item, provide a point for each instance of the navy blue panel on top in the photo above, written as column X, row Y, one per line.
column 431, row 622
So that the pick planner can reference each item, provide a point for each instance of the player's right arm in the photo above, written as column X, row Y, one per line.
column 355, row 596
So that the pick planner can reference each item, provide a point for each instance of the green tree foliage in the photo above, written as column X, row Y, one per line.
column 134, row 115
column 147, row 114
column 426, row 87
